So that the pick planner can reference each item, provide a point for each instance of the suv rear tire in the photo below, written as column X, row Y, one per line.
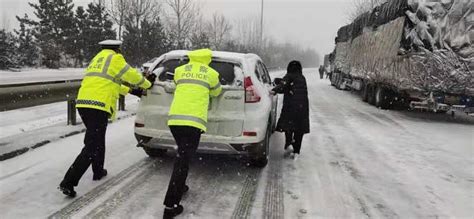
column 259, row 157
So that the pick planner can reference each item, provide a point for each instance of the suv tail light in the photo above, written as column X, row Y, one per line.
column 251, row 95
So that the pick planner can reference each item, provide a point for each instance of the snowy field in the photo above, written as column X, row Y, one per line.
column 357, row 162
column 31, row 127
column 40, row 75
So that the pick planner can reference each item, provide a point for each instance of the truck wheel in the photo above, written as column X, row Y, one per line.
column 342, row 86
column 371, row 94
column 365, row 93
column 154, row 152
column 259, row 157
column 382, row 97
column 339, row 82
column 333, row 79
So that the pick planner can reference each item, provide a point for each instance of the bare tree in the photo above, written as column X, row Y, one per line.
column 143, row 10
column 118, row 9
column 247, row 33
column 200, row 35
column 182, row 18
column 133, row 11
column 219, row 29
column 362, row 6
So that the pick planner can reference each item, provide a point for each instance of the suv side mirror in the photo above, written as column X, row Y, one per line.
column 277, row 81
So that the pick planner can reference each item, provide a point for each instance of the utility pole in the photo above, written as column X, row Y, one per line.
column 261, row 26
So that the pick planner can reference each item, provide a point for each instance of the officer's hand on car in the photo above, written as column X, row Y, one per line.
column 151, row 78
column 137, row 92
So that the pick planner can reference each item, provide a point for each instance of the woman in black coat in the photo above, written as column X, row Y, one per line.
column 294, row 118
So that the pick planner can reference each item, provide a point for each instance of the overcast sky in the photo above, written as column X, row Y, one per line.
column 311, row 23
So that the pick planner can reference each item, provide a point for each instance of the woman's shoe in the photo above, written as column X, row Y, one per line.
column 67, row 190
column 99, row 176
column 288, row 151
column 171, row 212
column 295, row 156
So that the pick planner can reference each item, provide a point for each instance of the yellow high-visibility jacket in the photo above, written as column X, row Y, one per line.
column 102, row 82
column 195, row 83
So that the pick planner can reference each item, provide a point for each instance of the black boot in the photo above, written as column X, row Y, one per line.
column 100, row 176
column 171, row 212
column 67, row 190
column 287, row 145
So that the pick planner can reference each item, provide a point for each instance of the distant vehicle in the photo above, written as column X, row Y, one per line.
column 240, row 121
column 405, row 53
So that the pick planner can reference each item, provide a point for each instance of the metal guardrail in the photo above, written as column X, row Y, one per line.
column 16, row 96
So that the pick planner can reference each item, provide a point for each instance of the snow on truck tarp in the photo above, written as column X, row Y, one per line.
column 412, row 44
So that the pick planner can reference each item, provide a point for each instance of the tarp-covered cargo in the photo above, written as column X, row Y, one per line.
column 423, row 45
column 344, row 34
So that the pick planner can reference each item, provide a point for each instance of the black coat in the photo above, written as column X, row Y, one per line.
column 295, row 112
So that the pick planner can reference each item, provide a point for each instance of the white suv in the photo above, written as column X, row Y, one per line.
column 240, row 121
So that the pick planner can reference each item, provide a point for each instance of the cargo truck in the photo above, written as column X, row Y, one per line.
column 413, row 53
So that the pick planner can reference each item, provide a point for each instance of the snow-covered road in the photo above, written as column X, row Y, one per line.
column 357, row 162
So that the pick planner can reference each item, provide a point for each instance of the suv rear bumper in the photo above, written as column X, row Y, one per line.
column 209, row 144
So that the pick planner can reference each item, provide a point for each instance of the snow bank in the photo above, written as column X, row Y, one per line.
column 40, row 75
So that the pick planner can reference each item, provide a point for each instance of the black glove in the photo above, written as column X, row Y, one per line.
column 137, row 92
column 151, row 78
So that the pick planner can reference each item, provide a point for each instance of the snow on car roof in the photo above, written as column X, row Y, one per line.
column 219, row 54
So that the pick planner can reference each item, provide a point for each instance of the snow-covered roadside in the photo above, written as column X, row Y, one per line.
column 363, row 162
column 28, row 128
column 38, row 173
column 40, row 75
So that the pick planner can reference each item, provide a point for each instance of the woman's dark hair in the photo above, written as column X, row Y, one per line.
column 294, row 67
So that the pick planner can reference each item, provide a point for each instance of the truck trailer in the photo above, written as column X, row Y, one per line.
column 414, row 53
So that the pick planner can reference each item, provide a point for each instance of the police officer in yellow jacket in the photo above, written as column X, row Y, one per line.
column 96, row 102
column 195, row 83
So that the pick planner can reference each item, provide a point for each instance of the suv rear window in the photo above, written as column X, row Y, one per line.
column 225, row 70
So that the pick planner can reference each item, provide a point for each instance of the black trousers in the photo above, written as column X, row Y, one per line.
column 187, row 138
column 295, row 139
column 94, row 146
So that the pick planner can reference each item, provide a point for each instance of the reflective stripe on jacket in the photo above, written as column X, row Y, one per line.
column 195, row 83
column 102, row 82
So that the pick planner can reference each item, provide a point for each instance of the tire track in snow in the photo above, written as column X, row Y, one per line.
column 247, row 196
column 108, row 206
column 273, row 201
column 339, row 114
column 413, row 155
column 399, row 135
column 348, row 168
column 95, row 193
